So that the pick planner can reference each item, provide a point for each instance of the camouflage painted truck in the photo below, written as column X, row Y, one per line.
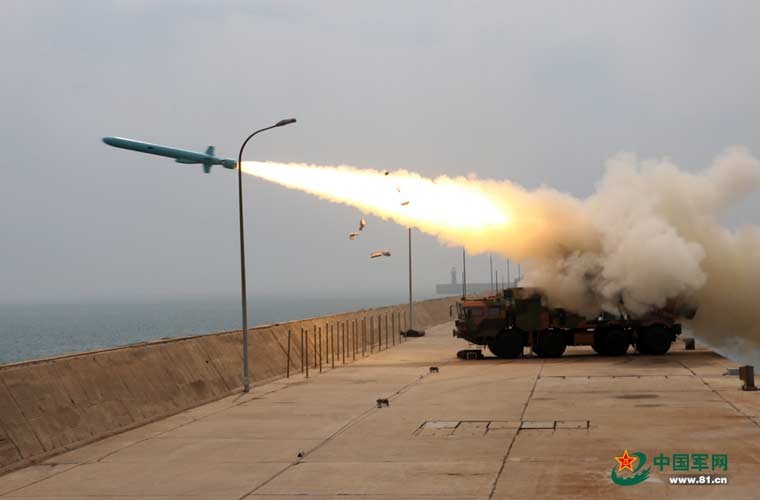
column 520, row 318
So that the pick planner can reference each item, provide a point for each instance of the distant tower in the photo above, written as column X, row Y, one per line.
column 454, row 275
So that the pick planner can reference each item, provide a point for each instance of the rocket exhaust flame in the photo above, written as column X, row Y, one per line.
column 476, row 214
column 442, row 202
column 649, row 234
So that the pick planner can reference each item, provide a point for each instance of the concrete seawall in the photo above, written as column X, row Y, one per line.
column 52, row 405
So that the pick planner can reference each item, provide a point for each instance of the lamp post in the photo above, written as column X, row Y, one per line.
column 410, row 326
column 464, row 275
column 490, row 264
column 246, row 375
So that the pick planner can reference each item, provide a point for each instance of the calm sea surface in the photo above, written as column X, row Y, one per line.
column 29, row 331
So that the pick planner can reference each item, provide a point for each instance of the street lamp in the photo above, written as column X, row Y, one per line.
column 410, row 327
column 464, row 275
column 490, row 260
column 246, row 376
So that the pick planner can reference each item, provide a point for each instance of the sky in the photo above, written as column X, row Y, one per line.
column 541, row 93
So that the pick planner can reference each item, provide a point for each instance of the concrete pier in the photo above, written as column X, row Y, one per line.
column 476, row 429
column 51, row 405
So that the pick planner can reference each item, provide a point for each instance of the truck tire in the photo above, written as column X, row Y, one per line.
column 611, row 342
column 654, row 340
column 508, row 344
column 549, row 344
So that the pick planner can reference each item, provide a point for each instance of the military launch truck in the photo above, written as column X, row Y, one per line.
column 520, row 317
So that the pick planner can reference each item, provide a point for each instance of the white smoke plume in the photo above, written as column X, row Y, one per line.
column 659, row 237
column 650, row 233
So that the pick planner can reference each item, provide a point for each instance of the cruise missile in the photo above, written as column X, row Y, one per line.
column 206, row 159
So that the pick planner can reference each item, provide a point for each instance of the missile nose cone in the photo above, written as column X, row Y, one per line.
column 109, row 140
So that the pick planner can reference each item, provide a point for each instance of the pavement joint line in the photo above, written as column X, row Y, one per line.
column 514, row 436
column 179, row 426
column 235, row 402
column 100, row 459
column 368, row 495
column 65, row 469
column 732, row 405
column 335, row 434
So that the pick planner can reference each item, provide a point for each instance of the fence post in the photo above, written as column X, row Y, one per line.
column 320, row 349
column 364, row 336
column 287, row 370
column 301, row 350
column 306, row 352
column 332, row 346
column 386, row 330
column 393, row 327
column 400, row 337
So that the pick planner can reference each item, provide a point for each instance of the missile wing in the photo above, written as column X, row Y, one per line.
column 206, row 159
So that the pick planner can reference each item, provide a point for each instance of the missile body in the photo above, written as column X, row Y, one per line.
column 206, row 159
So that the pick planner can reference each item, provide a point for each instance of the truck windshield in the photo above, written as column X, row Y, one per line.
column 473, row 312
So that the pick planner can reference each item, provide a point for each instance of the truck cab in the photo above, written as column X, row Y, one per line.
column 477, row 318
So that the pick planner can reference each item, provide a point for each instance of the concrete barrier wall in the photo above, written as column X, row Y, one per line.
column 52, row 405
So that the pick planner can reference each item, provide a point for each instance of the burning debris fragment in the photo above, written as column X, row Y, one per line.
column 352, row 236
column 381, row 253
column 362, row 223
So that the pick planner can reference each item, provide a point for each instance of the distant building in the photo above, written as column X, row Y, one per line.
column 455, row 288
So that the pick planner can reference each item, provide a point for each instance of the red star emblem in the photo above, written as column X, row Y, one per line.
column 626, row 461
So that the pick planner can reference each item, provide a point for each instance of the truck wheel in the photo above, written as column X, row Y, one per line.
column 549, row 345
column 611, row 342
column 508, row 344
column 654, row 340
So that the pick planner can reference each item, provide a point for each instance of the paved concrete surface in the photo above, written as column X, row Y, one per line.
column 60, row 403
column 526, row 428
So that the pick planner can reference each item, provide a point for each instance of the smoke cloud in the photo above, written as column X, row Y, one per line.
column 650, row 233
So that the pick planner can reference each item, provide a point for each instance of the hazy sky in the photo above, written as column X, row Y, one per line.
column 536, row 92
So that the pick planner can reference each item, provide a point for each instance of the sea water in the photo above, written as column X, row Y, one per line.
column 29, row 331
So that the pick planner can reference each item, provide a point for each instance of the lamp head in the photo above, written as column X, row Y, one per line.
column 287, row 121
